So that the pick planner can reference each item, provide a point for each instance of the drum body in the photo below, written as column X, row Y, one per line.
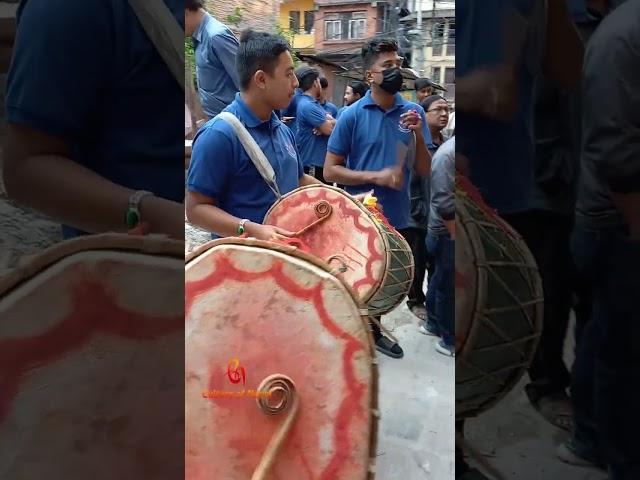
column 379, row 263
column 499, row 307
column 254, row 310
column 89, row 331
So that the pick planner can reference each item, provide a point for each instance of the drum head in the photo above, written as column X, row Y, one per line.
column 86, row 334
column 254, row 310
column 348, row 236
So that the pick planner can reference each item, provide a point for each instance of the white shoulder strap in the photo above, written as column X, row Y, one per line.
column 256, row 155
column 165, row 33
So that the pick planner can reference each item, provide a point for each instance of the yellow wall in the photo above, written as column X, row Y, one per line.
column 299, row 41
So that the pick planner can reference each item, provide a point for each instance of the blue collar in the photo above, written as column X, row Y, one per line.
column 368, row 102
column 250, row 119
column 197, row 36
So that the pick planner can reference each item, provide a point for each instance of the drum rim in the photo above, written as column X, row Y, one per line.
column 374, row 416
column 462, row 212
column 158, row 245
column 369, row 297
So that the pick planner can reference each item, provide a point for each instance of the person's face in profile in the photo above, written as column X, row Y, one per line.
column 280, row 87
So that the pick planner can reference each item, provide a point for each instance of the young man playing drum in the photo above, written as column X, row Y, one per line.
column 226, row 193
column 369, row 145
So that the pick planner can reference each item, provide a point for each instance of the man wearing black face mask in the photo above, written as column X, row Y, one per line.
column 375, row 143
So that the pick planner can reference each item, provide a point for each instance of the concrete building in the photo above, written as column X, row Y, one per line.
column 432, row 27
column 7, row 33
column 297, row 21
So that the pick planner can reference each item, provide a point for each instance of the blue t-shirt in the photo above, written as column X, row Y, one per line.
column 331, row 109
column 500, row 153
column 215, row 49
column 313, row 148
column 89, row 74
column 221, row 169
column 342, row 109
column 367, row 137
column 291, row 111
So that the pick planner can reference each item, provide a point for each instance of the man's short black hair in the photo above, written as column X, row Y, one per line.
column 306, row 77
column 258, row 51
column 324, row 83
column 193, row 5
column 423, row 83
column 359, row 87
column 373, row 48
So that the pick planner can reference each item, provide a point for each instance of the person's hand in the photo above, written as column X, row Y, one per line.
column 412, row 121
column 269, row 233
column 390, row 178
column 317, row 132
column 361, row 196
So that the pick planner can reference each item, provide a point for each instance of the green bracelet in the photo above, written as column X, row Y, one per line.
column 240, row 230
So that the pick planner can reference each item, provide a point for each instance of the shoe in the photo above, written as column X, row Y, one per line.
column 389, row 347
column 565, row 452
column 425, row 329
column 445, row 349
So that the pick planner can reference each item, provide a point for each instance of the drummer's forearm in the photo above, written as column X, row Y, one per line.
column 309, row 180
column 211, row 218
column 71, row 194
column 335, row 172
column 423, row 157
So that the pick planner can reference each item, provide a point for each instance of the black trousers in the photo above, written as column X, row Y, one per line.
column 416, row 237
column 547, row 234
column 316, row 172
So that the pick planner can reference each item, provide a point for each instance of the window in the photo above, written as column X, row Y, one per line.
column 451, row 39
column 357, row 25
column 437, row 39
column 435, row 74
column 309, row 18
column 449, row 76
column 332, row 27
column 294, row 22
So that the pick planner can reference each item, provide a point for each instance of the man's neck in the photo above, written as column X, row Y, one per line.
column 311, row 94
column 259, row 109
column 383, row 99
column 436, row 135
column 201, row 13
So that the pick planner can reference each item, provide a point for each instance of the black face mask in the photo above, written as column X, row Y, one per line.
column 392, row 80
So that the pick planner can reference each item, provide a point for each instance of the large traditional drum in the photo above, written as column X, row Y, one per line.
column 280, row 379
column 499, row 304
column 89, row 332
column 339, row 230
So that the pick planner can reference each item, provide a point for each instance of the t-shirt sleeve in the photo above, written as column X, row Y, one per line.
column 212, row 163
column 225, row 48
column 312, row 113
column 63, row 63
column 340, row 139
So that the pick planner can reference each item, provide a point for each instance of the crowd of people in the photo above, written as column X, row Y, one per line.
column 570, row 190
column 307, row 140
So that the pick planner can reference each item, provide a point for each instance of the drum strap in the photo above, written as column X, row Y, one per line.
column 165, row 33
column 254, row 151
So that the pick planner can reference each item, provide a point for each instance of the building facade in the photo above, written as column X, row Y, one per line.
column 432, row 24
column 297, row 22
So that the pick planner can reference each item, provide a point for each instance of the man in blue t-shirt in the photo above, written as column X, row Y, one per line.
column 225, row 193
column 329, row 107
column 215, row 53
column 354, row 92
column 90, row 141
column 377, row 141
column 314, row 124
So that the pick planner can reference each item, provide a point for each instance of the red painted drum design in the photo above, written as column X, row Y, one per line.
column 499, row 304
column 87, row 332
column 280, row 379
column 342, row 232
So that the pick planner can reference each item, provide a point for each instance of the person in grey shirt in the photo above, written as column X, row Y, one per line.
column 606, row 248
column 441, row 245
column 215, row 52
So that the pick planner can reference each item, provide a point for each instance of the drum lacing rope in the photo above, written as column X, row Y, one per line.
column 323, row 210
column 284, row 389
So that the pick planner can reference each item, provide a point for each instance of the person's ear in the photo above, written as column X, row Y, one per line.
column 260, row 79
